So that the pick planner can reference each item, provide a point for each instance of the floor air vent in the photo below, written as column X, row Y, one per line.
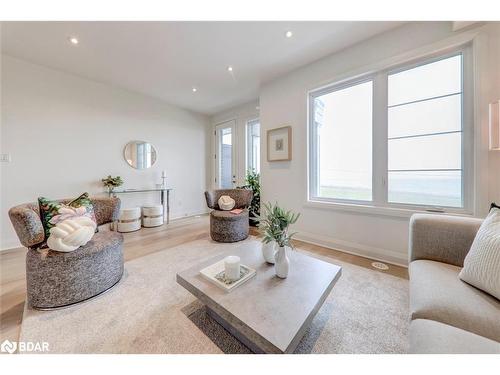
column 380, row 266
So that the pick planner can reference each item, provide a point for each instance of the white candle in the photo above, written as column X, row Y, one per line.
column 232, row 267
column 164, row 174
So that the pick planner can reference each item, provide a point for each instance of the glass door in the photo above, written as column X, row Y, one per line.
column 224, row 156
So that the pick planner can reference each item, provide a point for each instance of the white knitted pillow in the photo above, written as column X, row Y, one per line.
column 226, row 203
column 482, row 263
column 68, row 235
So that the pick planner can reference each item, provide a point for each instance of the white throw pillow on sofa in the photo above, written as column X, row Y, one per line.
column 226, row 203
column 482, row 263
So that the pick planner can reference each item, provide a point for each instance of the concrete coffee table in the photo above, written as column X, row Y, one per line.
column 266, row 313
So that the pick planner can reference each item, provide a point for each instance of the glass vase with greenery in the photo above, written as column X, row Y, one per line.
column 252, row 182
column 112, row 182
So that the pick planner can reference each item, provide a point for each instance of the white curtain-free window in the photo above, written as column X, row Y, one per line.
column 253, row 146
column 425, row 134
column 343, row 142
column 397, row 138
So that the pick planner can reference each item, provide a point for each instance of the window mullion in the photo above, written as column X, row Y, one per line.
column 380, row 139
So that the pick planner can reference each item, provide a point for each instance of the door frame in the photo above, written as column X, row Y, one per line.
column 217, row 127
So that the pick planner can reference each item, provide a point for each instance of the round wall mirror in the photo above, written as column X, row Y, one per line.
column 139, row 154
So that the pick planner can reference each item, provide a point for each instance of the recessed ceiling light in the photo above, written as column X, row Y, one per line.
column 288, row 34
column 73, row 40
column 194, row 89
column 229, row 68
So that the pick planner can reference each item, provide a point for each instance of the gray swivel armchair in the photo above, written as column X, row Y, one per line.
column 224, row 225
column 56, row 279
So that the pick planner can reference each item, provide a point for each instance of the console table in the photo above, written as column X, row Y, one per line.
column 164, row 198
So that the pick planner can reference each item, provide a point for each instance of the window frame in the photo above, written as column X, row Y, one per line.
column 313, row 149
column 249, row 122
column 380, row 136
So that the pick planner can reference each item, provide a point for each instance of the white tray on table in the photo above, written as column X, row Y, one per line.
column 215, row 274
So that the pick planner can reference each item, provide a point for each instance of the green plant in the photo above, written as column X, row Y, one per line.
column 252, row 182
column 112, row 182
column 274, row 224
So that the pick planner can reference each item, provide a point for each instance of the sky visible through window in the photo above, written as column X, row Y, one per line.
column 344, row 120
column 425, row 134
column 225, row 166
column 253, row 146
column 424, row 145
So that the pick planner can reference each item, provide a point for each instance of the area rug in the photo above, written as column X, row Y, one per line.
column 148, row 312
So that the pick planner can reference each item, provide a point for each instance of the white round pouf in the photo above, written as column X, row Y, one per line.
column 130, row 220
column 152, row 216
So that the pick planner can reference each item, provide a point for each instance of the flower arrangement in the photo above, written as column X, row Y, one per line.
column 112, row 182
column 275, row 223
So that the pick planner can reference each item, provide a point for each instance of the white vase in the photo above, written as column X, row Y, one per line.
column 282, row 263
column 268, row 251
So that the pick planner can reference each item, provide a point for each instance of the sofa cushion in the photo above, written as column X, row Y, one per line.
column 436, row 293
column 482, row 263
column 430, row 337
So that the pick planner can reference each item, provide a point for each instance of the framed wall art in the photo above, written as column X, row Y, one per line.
column 279, row 144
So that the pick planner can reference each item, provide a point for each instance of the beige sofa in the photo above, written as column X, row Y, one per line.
column 447, row 314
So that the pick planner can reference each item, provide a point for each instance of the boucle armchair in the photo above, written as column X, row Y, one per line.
column 224, row 225
column 56, row 279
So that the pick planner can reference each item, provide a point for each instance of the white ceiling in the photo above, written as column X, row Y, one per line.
column 166, row 59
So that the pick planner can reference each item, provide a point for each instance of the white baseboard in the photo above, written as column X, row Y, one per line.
column 383, row 255
column 11, row 245
column 187, row 216
column 375, row 253
column 17, row 244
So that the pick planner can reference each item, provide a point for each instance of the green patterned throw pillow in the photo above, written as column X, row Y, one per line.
column 53, row 212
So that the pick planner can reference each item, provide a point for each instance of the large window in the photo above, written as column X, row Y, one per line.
column 425, row 134
column 253, row 146
column 395, row 138
column 342, row 127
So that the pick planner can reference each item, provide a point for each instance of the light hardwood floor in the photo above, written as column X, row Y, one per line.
column 137, row 244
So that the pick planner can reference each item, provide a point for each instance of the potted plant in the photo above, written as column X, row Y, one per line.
column 112, row 182
column 275, row 225
column 252, row 181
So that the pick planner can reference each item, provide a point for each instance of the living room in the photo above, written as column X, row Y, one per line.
column 238, row 186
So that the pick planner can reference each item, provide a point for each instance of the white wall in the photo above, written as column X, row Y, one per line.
column 491, row 82
column 65, row 133
column 241, row 115
column 284, row 102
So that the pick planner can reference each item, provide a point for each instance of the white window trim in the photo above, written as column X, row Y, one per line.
column 247, row 122
column 312, row 149
column 379, row 203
